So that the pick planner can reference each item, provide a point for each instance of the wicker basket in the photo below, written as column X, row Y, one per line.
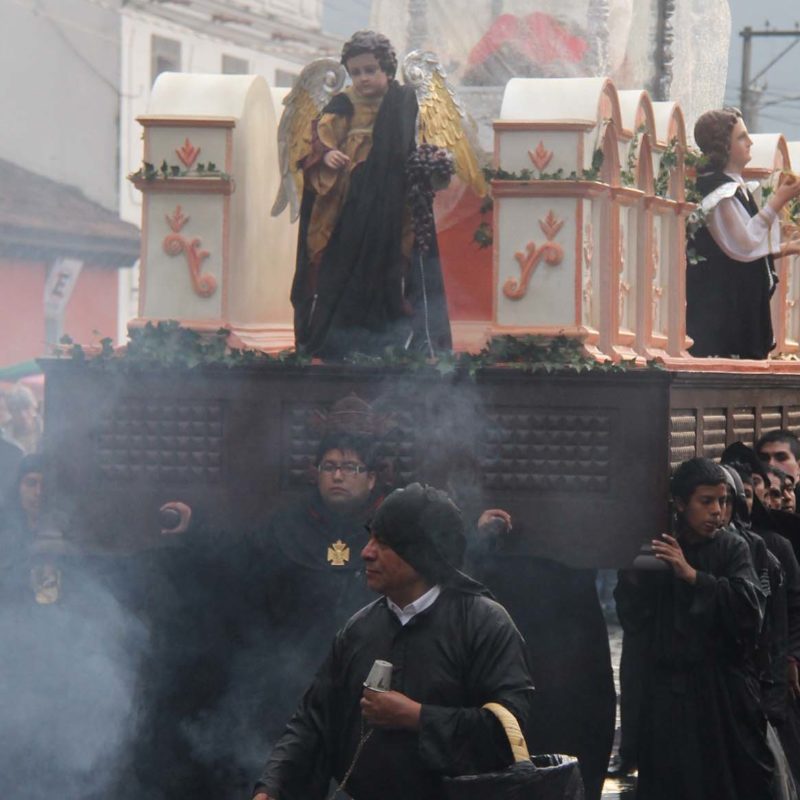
column 539, row 777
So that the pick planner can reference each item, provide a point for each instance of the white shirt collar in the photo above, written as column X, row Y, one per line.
column 405, row 615
column 750, row 186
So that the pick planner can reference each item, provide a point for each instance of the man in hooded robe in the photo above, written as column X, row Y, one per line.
column 306, row 578
column 785, row 713
column 453, row 649
column 781, row 686
column 703, row 732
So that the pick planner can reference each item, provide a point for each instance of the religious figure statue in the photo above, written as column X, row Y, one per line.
column 360, row 164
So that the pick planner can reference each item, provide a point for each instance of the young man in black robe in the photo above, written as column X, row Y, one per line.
column 306, row 579
column 453, row 650
column 730, row 274
column 703, row 731
column 361, row 281
column 783, row 689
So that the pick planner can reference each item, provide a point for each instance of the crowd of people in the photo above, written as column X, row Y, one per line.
column 709, row 685
column 291, row 627
column 215, row 689
column 709, row 678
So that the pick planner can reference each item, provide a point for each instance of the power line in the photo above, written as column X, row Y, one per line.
column 776, row 59
column 749, row 97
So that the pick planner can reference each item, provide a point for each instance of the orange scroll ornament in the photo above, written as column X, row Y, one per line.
column 174, row 244
column 552, row 252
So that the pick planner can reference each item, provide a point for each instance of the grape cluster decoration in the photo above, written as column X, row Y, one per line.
column 428, row 169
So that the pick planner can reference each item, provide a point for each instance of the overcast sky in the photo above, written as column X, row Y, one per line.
column 782, row 79
column 345, row 16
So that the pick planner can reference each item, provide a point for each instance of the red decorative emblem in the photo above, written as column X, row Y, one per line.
column 540, row 157
column 552, row 252
column 174, row 244
column 187, row 153
column 177, row 220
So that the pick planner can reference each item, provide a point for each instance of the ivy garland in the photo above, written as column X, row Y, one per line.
column 149, row 172
column 628, row 175
column 694, row 164
column 484, row 233
column 166, row 345
column 667, row 162
column 793, row 211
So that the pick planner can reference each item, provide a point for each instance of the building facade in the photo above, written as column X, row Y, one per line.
column 272, row 38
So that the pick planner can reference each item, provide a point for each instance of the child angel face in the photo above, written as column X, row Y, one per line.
column 369, row 80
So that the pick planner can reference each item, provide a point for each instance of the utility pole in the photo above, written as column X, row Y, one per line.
column 748, row 95
column 744, row 91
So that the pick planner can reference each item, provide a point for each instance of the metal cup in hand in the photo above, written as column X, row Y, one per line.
column 378, row 680
column 380, row 677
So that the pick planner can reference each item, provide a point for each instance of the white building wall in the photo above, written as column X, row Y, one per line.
column 59, row 81
column 198, row 54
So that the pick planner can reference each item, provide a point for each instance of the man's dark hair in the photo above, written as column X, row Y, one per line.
column 712, row 132
column 783, row 436
column 745, row 471
column 371, row 42
column 363, row 446
column 693, row 473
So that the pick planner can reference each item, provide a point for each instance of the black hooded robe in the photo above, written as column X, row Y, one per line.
column 363, row 297
column 559, row 615
column 786, row 546
column 703, row 731
column 297, row 600
column 458, row 654
column 727, row 301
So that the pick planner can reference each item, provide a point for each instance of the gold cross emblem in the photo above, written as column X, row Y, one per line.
column 338, row 554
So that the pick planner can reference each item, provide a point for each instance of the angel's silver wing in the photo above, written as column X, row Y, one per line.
column 442, row 119
column 315, row 86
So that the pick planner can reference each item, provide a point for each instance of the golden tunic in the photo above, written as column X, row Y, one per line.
column 353, row 137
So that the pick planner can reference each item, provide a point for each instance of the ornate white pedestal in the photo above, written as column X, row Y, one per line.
column 212, row 256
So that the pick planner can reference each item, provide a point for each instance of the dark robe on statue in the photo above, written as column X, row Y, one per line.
column 703, row 731
column 727, row 301
column 363, row 296
column 461, row 652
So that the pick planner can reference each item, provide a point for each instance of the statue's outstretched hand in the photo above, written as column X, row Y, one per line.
column 335, row 159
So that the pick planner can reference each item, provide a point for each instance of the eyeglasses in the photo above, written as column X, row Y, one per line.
column 348, row 468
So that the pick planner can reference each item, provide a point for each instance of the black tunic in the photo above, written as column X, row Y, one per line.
column 558, row 612
column 789, row 727
column 364, row 297
column 297, row 599
column 703, row 731
column 455, row 656
column 727, row 301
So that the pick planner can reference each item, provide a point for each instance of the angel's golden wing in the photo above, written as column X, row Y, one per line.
column 315, row 86
column 442, row 122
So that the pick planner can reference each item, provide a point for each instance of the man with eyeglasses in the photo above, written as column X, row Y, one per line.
column 307, row 577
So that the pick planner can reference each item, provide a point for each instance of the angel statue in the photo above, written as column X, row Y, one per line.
column 359, row 166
